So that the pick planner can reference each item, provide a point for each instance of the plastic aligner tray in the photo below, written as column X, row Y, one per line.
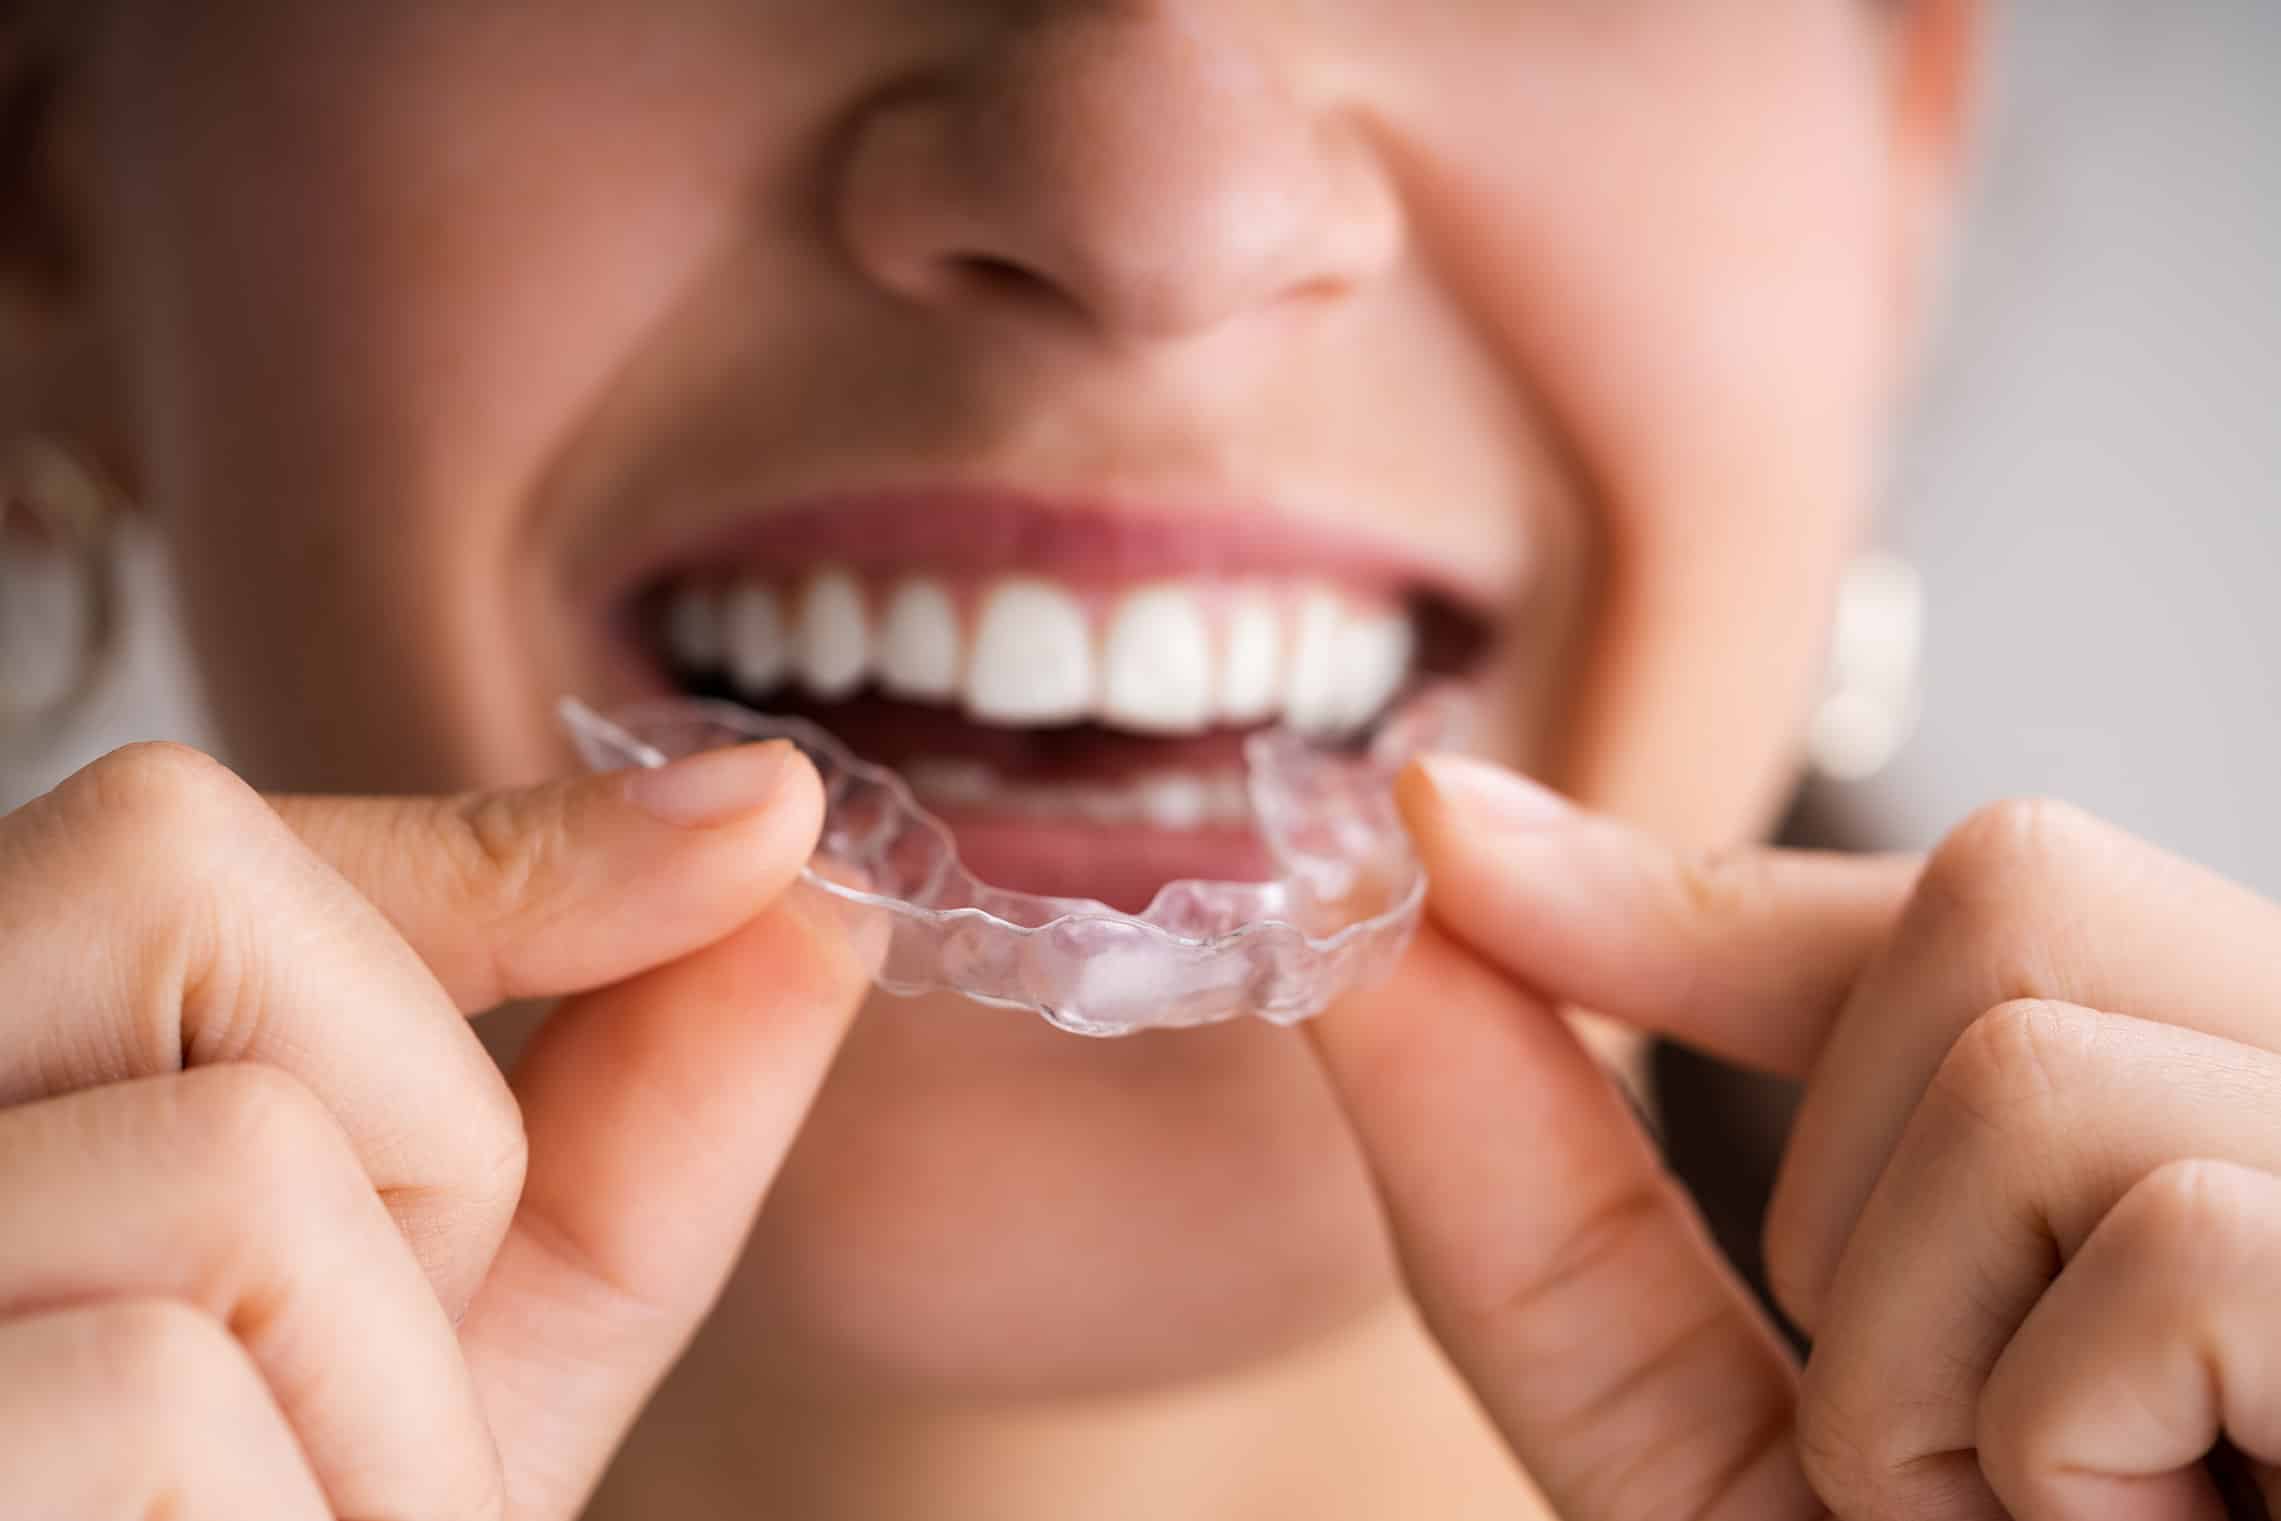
column 1338, row 916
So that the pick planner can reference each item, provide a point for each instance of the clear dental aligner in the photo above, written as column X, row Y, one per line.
column 1338, row 916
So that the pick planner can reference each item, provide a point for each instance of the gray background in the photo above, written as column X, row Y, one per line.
column 2089, row 486
column 2088, row 480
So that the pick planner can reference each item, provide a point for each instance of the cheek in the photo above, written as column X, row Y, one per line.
column 1675, row 225
column 355, row 365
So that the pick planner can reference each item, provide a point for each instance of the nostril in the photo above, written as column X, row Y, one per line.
column 991, row 275
column 1128, row 167
column 991, row 279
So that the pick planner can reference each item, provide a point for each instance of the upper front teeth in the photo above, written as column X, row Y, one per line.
column 1251, row 661
column 1033, row 660
column 834, row 639
column 1170, row 657
column 754, row 640
column 918, row 646
column 1156, row 662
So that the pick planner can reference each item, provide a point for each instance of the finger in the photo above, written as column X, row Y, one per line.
column 1747, row 954
column 144, row 1408
column 158, row 916
column 2155, row 1342
column 1557, row 1262
column 569, row 886
column 659, row 1112
column 234, row 1191
column 2040, row 1121
column 2025, row 901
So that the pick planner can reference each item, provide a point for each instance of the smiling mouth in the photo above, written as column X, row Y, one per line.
column 1068, row 690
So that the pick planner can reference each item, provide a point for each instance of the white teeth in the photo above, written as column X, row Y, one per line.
column 950, row 783
column 1156, row 665
column 1033, row 657
column 1095, row 805
column 754, row 638
column 1374, row 661
column 1312, row 691
column 1251, row 660
column 1176, row 802
column 834, row 640
column 693, row 628
column 1168, row 658
column 918, row 647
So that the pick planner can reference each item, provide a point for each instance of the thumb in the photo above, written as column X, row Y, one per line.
column 658, row 1113
column 1559, row 1265
column 568, row 886
column 1747, row 954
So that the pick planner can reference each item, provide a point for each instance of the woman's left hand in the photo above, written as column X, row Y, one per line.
column 2030, row 1214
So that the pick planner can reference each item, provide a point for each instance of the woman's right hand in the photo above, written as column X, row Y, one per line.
column 276, row 1238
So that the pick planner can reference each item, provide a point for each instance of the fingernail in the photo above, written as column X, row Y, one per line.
column 1491, row 794
column 716, row 787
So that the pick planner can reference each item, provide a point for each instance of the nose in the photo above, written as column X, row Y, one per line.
column 1140, row 167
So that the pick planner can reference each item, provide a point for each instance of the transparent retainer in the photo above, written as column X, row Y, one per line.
column 1336, row 918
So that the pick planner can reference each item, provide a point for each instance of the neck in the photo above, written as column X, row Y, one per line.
column 1366, row 1424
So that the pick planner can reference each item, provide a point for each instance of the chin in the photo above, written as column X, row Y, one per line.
column 982, row 1206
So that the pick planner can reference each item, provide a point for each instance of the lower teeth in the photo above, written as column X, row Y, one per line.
column 1184, row 801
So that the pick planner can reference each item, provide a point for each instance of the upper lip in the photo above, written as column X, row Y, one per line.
column 983, row 529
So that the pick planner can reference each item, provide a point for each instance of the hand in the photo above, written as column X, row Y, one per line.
column 2030, row 1213
column 268, row 1243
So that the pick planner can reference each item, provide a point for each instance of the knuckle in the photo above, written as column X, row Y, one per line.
column 1861, row 1456
column 283, row 1153
column 2011, row 1062
column 1985, row 861
column 190, row 1421
column 154, row 792
column 1712, row 891
column 161, row 1359
column 1617, row 1233
column 1837, row 1448
column 1997, row 899
column 2190, row 1208
column 1717, row 885
column 502, row 850
column 505, row 1153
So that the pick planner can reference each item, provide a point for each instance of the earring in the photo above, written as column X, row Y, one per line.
column 1873, row 697
column 59, row 602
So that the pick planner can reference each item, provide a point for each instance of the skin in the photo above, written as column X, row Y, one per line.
column 402, row 323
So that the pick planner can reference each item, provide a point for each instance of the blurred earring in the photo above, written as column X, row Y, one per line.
column 59, row 596
column 1874, row 694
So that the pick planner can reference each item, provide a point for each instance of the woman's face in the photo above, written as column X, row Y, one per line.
column 454, row 345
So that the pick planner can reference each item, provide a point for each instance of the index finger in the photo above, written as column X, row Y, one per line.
column 1746, row 954
column 156, row 916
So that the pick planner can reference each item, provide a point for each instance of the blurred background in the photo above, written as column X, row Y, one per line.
column 2090, row 484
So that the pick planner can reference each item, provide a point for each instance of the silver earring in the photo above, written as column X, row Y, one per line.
column 1873, row 696
column 59, row 602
